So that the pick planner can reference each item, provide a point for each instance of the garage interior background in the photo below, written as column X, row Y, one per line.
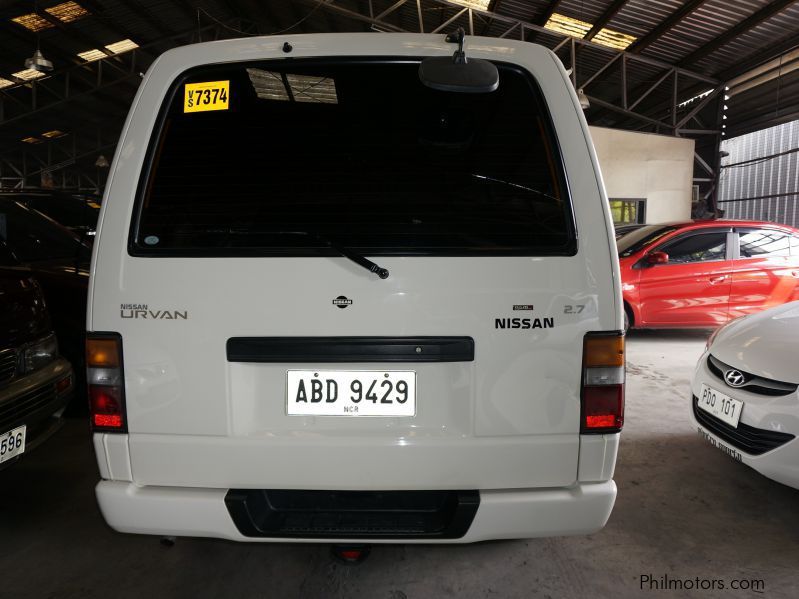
column 704, row 71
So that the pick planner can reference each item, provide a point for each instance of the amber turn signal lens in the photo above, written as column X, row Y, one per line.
column 102, row 353
column 604, row 350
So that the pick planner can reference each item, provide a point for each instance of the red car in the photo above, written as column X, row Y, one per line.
column 700, row 274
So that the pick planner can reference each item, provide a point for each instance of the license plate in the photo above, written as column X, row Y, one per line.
column 351, row 393
column 722, row 406
column 12, row 443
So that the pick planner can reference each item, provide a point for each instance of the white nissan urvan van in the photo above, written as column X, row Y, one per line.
column 359, row 288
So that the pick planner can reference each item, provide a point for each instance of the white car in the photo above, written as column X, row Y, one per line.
column 745, row 400
column 254, row 376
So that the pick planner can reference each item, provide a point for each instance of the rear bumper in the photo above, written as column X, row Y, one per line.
column 196, row 512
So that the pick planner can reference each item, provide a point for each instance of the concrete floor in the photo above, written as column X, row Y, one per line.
column 684, row 510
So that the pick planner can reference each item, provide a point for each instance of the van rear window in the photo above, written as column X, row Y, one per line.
column 281, row 158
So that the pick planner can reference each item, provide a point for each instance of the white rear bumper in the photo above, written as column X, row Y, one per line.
column 192, row 512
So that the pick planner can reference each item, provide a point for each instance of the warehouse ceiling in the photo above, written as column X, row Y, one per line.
column 695, row 68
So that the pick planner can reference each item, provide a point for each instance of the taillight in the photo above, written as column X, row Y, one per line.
column 603, row 383
column 105, row 382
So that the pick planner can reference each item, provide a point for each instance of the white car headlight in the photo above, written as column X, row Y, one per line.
column 40, row 353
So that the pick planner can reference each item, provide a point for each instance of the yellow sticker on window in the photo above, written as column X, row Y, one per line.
column 210, row 95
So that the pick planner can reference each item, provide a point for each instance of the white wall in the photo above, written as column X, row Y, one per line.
column 658, row 168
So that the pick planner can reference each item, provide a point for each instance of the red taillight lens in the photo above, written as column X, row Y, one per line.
column 106, row 407
column 603, row 408
column 105, row 382
column 107, row 420
column 603, row 383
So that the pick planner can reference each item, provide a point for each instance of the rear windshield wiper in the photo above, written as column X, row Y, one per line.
column 362, row 261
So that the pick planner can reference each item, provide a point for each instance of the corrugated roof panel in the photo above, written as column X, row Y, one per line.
column 524, row 10
column 702, row 26
column 434, row 14
column 639, row 17
column 585, row 11
column 778, row 27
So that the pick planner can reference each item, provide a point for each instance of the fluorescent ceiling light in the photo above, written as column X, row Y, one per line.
column 577, row 28
column 33, row 22
column 27, row 74
column 93, row 54
column 31, row 140
column 269, row 85
column 67, row 12
column 122, row 46
column 5, row 83
column 53, row 134
column 478, row 4
column 115, row 48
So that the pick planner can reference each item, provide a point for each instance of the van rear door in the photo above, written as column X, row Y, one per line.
column 460, row 370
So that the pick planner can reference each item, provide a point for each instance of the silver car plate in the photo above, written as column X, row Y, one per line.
column 12, row 443
column 351, row 393
column 720, row 405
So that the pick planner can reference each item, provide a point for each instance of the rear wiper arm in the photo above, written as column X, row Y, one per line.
column 362, row 261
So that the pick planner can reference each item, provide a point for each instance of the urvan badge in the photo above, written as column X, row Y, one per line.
column 342, row 301
column 143, row 311
column 210, row 95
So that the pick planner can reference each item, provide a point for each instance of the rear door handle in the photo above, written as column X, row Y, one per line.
column 717, row 279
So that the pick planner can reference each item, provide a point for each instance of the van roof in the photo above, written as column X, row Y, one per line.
column 310, row 45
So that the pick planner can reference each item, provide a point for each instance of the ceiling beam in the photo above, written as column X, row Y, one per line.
column 762, row 121
column 28, row 38
column 145, row 16
column 514, row 23
column 270, row 17
column 745, row 25
column 664, row 26
column 774, row 50
column 493, row 6
column 547, row 14
column 52, row 50
column 605, row 18
column 187, row 8
column 748, row 23
column 89, row 42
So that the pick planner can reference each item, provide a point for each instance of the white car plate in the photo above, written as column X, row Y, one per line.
column 720, row 405
column 351, row 393
column 12, row 443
